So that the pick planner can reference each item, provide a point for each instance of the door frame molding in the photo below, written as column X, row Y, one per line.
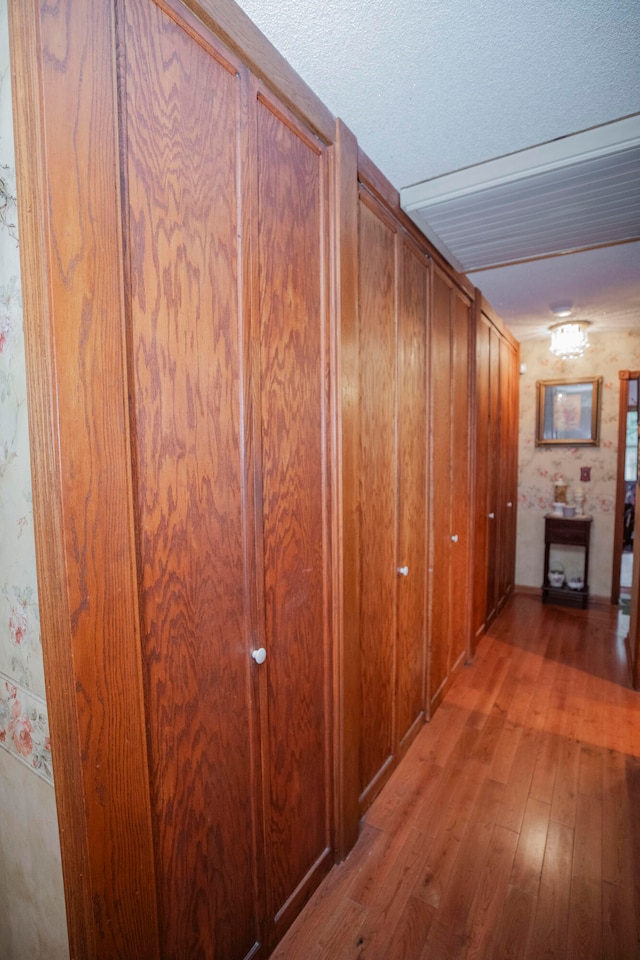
column 618, row 526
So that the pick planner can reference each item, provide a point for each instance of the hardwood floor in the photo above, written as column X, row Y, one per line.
column 512, row 827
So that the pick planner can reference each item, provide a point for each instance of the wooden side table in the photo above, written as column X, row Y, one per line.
column 567, row 531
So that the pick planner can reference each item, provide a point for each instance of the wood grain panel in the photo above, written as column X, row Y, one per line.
column 441, row 399
column 496, row 447
column 493, row 474
column 48, row 513
column 411, row 487
column 460, row 586
column 182, row 117
column 347, row 606
column 376, row 298
column 504, row 473
column 67, row 166
column 229, row 22
column 376, row 183
column 292, row 305
column 511, row 356
column 482, row 520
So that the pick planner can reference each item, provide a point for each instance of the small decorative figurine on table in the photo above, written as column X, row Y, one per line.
column 556, row 574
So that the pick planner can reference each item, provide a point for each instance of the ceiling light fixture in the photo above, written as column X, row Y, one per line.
column 562, row 311
column 569, row 338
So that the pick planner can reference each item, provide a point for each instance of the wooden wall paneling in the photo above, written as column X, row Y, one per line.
column 509, row 457
column 375, row 182
column 411, row 489
column 183, row 216
column 293, row 218
column 184, row 493
column 514, row 403
column 239, row 34
column 71, row 257
column 184, row 158
column 392, row 529
column 384, row 191
column 377, row 459
column 451, row 377
column 347, row 707
column 481, row 469
column 504, row 473
column 494, row 472
column 48, row 509
column 441, row 478
column 460, row 598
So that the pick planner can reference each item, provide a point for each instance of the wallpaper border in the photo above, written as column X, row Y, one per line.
column 24, row 727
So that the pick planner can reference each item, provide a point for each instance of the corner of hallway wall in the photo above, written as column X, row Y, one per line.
column 609, row 352
column 32, row 914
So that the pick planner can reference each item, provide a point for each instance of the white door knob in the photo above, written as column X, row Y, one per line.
column 403, row 571
column 509, row 503
column 491, row 516
column 454, row 538
column 259, row 655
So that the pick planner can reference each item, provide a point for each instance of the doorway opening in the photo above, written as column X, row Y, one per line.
column 625, row 490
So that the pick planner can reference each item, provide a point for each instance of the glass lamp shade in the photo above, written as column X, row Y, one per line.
column 569, row 339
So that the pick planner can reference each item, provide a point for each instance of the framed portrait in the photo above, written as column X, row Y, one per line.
column 568, row 412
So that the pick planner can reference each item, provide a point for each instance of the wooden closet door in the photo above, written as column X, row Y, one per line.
column 494, row 469
column 411, row 488
column 441, row 532
column 451, row 584
column 181, row 120
column 460, row 586
column 292, row 298
column 377, row 479
column 482, row 510
column 509, row 466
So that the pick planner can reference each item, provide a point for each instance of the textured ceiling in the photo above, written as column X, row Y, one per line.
column 431, row 86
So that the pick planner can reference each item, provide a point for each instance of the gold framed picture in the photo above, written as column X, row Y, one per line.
column 568, row 412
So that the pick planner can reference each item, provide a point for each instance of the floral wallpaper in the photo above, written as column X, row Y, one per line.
column 23, row 714
column 606, row 356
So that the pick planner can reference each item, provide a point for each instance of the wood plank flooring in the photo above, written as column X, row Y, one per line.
column 512, row 827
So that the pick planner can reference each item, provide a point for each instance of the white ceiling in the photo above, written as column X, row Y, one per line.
column 432, row 86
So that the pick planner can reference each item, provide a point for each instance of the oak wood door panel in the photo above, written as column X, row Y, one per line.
column 181, row 120
column 140, row 127
column 496, row 442
column 441, row 422
column 346, row 521
column 451, row 584
column 509, row 465
column 460, row 596
column 411, row 487
column 71, row 254
column 377, row 350
column 482, row 519
column 494, row 468
column 292, row 314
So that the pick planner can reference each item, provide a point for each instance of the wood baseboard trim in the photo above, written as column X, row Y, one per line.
column 594, row 599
